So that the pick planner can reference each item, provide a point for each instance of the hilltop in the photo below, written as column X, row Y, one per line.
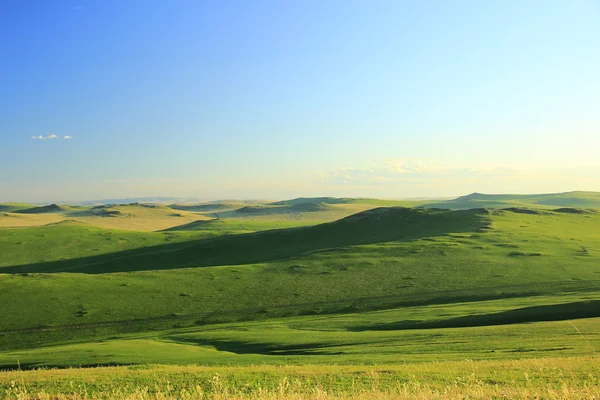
column 480, row 200
column 210, row 207
column 51, row 208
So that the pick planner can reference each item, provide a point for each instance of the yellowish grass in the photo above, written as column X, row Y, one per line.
column 14, row 220
column 139, row 218
column 332, row 213
column 549, row 378
column 404, row 392
column 133, row 218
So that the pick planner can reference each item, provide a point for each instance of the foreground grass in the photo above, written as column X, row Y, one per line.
column 549, row 378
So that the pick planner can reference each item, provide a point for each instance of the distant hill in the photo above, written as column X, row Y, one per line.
column 129, row 200
column 304, row 200
column 480, row 200
column 13, row 207
column 210, row 207
column 350, row 200
column 51, row 208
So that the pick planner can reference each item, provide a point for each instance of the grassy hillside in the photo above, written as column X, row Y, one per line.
column 219, row 227
column 479, row 200
column 379, row 259
column 70, row 239
column 346, row 339
column 373, row 226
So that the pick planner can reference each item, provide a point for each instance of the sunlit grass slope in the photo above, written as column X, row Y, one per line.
column 69, row 239
column 13, row 220
column 132, row 217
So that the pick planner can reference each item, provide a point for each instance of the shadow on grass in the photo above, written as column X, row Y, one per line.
column 268, row 349
column 383, row 224
column 554, row 312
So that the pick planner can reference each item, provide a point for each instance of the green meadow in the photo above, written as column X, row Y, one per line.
column 356, row 298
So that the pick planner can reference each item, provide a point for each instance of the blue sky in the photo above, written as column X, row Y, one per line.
column 276, row 99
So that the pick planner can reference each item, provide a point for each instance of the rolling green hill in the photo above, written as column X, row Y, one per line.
column 479, row 200
column 89, row 283
column 372, row 226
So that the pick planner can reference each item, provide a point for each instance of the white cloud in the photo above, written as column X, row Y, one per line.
column 384, row 171
column 51, row 136
column 395, row 172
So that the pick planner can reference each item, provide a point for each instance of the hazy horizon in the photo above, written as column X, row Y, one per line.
column 198, row 200
column 276, row 100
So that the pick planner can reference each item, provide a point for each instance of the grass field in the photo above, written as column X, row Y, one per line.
column 302, row 284
column 548, row 378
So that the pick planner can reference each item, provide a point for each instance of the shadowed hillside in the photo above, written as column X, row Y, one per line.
column 373, row 226
column 13, row 207
column 51, row 208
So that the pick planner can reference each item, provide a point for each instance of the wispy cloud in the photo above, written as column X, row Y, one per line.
column 51, row 136
column 411, row 171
